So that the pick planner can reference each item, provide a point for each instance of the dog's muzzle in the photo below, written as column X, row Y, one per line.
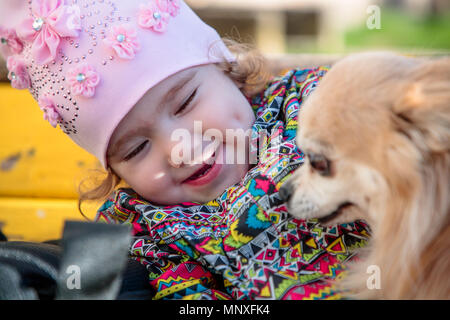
column 286, row 191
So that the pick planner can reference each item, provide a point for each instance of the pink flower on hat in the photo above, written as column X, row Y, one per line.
column 123, row 40
column 170, row 6
column 50, row 113
column 153, row 16
column 18, row 74
column 52, row 20
column 9, row 42
column 82, row 80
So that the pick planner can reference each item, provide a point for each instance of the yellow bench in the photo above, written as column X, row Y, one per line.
column 40, row 168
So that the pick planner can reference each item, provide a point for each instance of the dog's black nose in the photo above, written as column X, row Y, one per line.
column 286, row 190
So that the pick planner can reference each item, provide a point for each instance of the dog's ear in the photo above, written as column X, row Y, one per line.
column 422, row 110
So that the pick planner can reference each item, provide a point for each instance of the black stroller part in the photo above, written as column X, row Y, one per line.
column 94, row 259
column 28, row 270
column 2, row 236
column 99, row 253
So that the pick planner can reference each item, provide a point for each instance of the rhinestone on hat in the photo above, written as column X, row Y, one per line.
column 156, row 15
column 37, row 24
column 120, row 37
column 81, row 77
column 13, row 76
column 4, row 41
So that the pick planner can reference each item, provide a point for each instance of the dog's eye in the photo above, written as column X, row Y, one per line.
column 319, row 163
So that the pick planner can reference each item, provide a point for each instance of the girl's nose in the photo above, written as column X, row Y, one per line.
column 174, row 164
column 182, row 147
column 176, row 147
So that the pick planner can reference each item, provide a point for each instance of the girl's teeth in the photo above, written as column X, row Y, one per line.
column 206, row 170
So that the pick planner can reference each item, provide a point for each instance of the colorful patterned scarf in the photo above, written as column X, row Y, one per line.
column 243, row 245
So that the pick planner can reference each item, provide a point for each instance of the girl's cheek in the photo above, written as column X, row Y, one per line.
column 150, row 185
column 148, row 170
column 159, row 176
column 222, row 114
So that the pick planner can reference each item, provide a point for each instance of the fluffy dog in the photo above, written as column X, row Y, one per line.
column 376, row 135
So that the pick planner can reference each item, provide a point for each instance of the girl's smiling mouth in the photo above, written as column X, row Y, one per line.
column 204, row 175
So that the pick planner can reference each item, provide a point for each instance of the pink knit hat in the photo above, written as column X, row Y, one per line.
column 87, row 63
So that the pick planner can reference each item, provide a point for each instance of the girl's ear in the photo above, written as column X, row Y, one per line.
column 422, row 111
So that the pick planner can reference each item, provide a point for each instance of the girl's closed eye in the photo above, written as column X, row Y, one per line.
column 179, row 111
column 186, row 104
column 136, row 151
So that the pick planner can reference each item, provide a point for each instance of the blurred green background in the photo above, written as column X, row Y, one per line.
column 400, row 29
column 331, row 26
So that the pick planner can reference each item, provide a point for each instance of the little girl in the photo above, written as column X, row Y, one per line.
column 120, row 77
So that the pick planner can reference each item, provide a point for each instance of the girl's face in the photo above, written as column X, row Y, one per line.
column 141, row 150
